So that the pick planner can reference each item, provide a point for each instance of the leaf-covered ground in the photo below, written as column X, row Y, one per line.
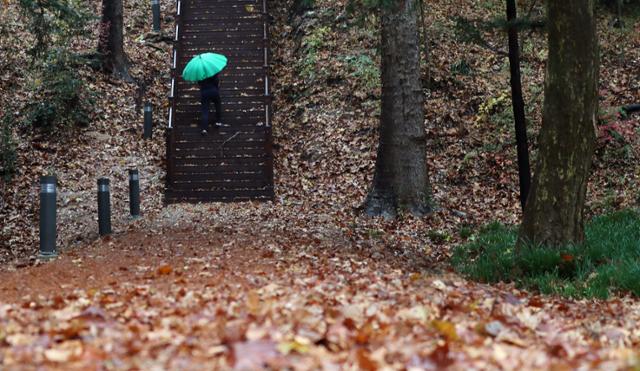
column 229, row 296
column 305, row 281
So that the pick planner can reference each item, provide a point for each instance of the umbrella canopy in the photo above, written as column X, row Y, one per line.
column 203, row 66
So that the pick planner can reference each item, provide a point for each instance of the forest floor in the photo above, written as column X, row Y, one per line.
column 247, row 296
column 306, row 281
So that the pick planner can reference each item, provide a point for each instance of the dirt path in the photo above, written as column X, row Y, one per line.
column 183, row 299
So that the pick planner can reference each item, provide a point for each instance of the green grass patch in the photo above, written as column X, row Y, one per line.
column 607, row 263
column 364, row 69
column 311, row 46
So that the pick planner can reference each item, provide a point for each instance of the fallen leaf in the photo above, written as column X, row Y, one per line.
column 493, row 328
column 364, row 360
column 64, row 352
column 446, row 328
column 297, row 345
column 164, row 270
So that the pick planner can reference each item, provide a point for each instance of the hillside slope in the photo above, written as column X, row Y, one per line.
column 326, row 90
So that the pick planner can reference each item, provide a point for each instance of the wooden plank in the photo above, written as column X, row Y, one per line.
column 230, row 81
column 192, row 122
column 220, row 162
column 257, row 111
column 219, row 153
column 188, row 120
column 215, row 135
column 259, row 148
column 223, row 10
column 206, row 149
column 191, row 105
column 224, row 4
column 230, row 51
column 197, row 3
column 233, row 101
column 233, row 52
column 206, row 177
column 224, row 185
column 224, row 45
column 233, row 64
column 230, row 116
column 221, row 37
column 222, row 170
column 218, row 31
column 191, row 117
column 233, row 194
column 237, row 96
column 175, row 200
column 194, row 133
column 197, row 138
column 225, row 90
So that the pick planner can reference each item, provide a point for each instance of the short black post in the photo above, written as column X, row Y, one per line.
column 104, row 207
column 148, row 121
column 155, row 6
column 134, row 193
column 48, row 217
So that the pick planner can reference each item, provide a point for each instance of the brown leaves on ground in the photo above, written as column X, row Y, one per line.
column 303, row 308
column 304, row 282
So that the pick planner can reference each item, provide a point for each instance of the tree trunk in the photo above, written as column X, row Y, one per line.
column 400, row 180
column 524, row 171
column 554, row 212
column 111, row 42
column 619, row 22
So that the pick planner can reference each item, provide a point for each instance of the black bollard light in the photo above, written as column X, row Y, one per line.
column 48, row 217
column 148, row 121
column 104, row 207
column 155, row 7
column 134, row 193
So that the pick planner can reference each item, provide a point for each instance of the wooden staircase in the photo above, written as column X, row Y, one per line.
column 235, row 162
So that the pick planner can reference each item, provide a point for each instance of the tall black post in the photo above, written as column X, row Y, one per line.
column 148, row 121
column 134, row 193
column 48, row 217
column 524, row 171
column 155, row 7
column 104, row 207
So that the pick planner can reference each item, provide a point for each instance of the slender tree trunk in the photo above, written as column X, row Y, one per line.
column 554, row 212
column 524, row 171
column 400, row 180
column 620, row 22
column 111, row 42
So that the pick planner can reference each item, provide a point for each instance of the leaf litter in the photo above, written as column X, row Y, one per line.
column 303, row 282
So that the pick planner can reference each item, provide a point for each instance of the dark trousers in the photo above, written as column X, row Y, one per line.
column 207, row 96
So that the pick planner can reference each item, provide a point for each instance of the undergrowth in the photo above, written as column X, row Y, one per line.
column 8, row 154
column 607, row 263
column 364, row 69
column 62, row 99
column 311, row 45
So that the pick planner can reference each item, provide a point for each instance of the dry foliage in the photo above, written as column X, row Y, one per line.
column 303, row 282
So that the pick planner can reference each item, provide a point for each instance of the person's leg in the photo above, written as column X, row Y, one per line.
column 218, row 103
column 204, row 100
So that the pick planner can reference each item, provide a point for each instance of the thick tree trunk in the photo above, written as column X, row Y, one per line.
column 111, row 42
column 554, row 211
column 400, row 180
column 524, row 171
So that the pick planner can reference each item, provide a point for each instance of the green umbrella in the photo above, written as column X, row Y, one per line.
column 203, row 66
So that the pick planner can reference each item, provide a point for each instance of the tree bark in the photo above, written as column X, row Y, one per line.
column 111, row 42
column 554, row 213
column 400, row 181
column 524, row 170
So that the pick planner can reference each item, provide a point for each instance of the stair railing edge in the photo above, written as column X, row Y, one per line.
column 170, row 140
column 268, row 100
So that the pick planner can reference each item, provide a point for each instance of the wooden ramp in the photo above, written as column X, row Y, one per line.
column 233, row 163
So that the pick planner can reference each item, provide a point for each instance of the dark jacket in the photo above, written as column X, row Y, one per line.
column 209, row 83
